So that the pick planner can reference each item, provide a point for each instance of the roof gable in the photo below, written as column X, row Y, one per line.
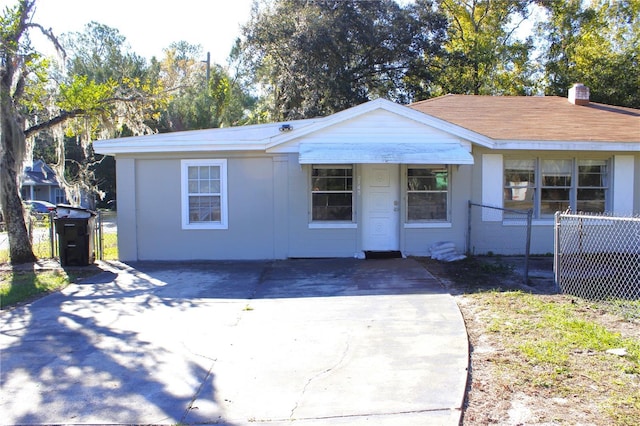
column 39, row 173
column 369, row 112
column 377, row 126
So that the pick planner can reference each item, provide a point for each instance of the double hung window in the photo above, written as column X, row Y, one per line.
column 547, row 186
column 592, row 186
column 520, row 184
column 204, row 194
column 556, row 186
column 332, row 193
column 60, row 196
column 427, row 194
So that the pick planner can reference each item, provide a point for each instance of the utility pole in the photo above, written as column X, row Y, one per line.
column 206, row 89
column 208, row 62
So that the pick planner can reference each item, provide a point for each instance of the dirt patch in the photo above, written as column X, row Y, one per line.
column 526, row 371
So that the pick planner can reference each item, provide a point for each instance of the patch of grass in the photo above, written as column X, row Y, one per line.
column 628, row 309
column 16, row 287
column 42, row 249
column 624, row 409
column 562, row 345
column 110, row 246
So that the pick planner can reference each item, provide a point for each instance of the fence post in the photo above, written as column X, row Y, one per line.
column 100, row 237
column 556, row 251
column 52, row 235
column 528, row 246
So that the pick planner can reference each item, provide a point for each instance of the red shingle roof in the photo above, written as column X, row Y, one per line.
column 535, row 118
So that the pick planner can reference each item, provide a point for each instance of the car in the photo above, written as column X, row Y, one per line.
column 40, row 207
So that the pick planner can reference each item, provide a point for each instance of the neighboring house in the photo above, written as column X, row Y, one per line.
column 376, row 177
column 39, row 182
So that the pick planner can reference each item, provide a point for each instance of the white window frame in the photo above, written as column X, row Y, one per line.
column 184, row 166
column 605, row 181
column 59, row 195
column 573, row 188
column 333, row 223
column 418, row 222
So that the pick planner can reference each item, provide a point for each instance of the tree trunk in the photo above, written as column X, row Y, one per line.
column 20, row 250
column 11, row 136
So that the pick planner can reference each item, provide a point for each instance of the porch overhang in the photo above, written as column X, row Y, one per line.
column 376, row 153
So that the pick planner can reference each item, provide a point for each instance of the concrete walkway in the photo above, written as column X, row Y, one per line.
column 310, row 342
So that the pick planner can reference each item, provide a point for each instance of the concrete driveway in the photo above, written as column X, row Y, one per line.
column 336, row 341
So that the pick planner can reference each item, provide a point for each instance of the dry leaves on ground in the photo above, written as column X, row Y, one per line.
column 524, row 369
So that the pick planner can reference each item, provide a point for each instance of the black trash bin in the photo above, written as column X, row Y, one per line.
column 75, row 228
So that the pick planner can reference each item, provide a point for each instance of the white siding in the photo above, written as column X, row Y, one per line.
column 623, row 182
column 376, row 127
column 491, row 186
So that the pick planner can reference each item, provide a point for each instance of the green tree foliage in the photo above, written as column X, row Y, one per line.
column 481, row 54
column 203, row 95
column 101, row 54
column 118, row 93
column 316, row 58
column 81, row 105
column 596, row 43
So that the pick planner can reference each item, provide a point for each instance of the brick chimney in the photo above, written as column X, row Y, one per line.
column 579, row 94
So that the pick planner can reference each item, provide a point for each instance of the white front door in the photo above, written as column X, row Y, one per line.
column 380, row 207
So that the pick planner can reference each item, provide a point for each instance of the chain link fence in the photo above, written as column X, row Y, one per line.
column 478, row 229
column 597, row 257
column 45, row 243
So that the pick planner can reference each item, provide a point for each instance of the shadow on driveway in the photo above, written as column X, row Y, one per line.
column 313, row 341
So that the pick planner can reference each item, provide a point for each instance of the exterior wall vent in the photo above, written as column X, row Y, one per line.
column 579, row 94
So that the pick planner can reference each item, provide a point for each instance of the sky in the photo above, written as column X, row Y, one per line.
column 149, row 25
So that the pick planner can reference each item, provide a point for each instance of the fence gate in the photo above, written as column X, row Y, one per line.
column 598, row 257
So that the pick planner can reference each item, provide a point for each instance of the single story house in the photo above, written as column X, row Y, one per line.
column 39, row 182
column 376, row 177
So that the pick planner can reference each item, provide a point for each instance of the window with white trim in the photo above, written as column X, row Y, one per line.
column 59, row 196
column 550, row 185
column 555, row 194
column 427, row 193
column 332, row 193
column 204, row 194
column 592, row 186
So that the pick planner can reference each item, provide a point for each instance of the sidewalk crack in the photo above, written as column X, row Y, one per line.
column 198, row 391
column 318, row 375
